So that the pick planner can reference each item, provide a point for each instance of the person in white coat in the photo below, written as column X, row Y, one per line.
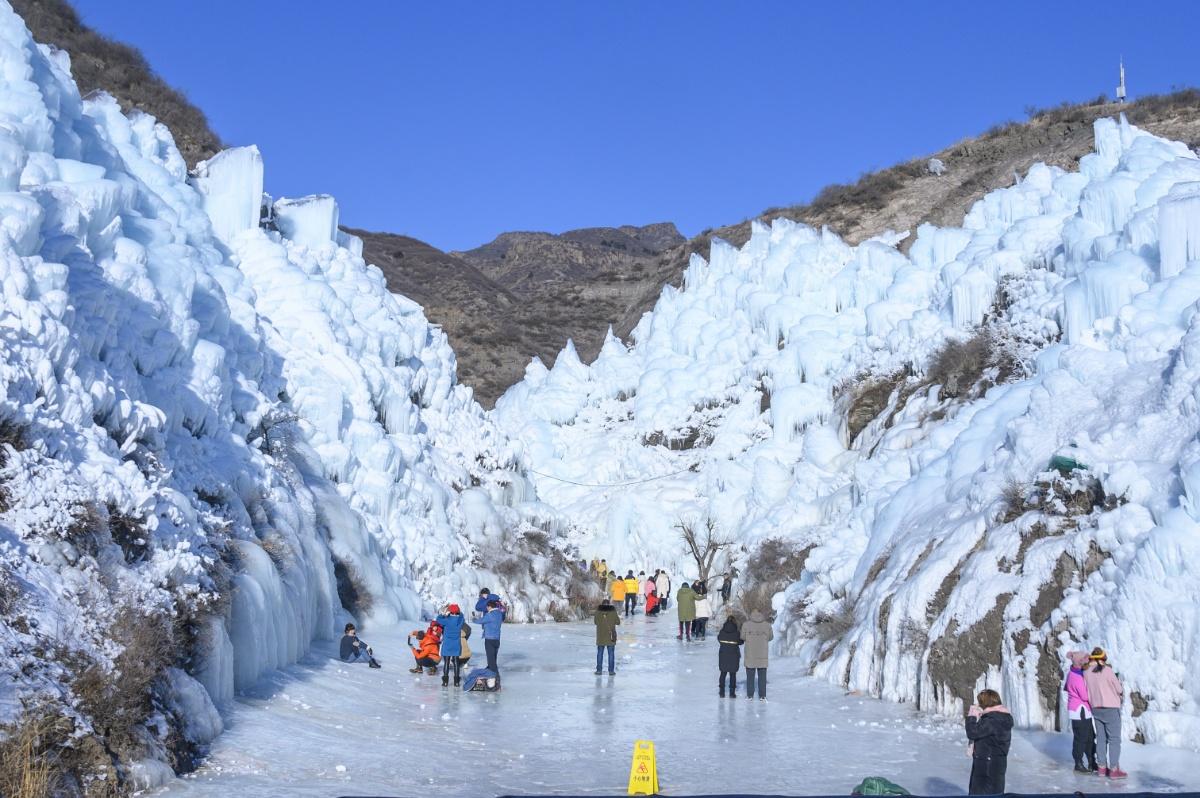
column 663, row 584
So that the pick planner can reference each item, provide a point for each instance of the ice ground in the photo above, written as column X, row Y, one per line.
column 557, row 728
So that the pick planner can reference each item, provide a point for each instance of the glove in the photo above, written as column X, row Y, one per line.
column 975, row 711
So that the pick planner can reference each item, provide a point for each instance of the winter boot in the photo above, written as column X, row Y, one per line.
column 722, row 693
column 612, row 673
column 417, row 669
column 1079, row 768
column 432, row 671
column 599, row 673
column 733, row 694
column 1102, row 771
column 1117, row 773
column 374, row 663
column 445, row 682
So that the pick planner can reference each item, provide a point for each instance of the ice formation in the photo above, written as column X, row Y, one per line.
column 231, row 428
column 940, row 552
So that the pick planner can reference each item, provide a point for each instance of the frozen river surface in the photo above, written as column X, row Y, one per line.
column 324, row 728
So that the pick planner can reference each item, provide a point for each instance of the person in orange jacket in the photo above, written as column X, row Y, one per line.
column 426, row 651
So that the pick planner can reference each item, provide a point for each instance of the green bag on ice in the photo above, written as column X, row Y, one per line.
column 878, row 785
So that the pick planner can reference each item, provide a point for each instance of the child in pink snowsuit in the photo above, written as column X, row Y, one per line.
column 1079, row 709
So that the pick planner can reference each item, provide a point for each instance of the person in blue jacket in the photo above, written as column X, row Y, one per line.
column 452, row 623
column 485, row 596
column 492, row 620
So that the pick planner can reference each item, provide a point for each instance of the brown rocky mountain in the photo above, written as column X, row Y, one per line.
column 523, row 294
column 98, row 62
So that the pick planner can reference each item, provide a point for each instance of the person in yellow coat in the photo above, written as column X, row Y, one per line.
column 631, row 593
column 616, row 588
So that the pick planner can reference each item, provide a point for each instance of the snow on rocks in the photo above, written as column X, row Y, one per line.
column 217, row 436
column 888, row 422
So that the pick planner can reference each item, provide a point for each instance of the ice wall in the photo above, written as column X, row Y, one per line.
column 220, row 426
column 795, row 390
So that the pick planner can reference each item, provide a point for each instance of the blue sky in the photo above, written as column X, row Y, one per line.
column 453, row 122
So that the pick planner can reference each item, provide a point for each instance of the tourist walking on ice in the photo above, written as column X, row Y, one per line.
column 758, row 634
column 352, row 649
column 607, row 620
column 729, row 655
column 726, row 586
column 1105, row 694
column 631, row 592
column 452, row 623
column 493, row 619
column 989, row 728
column 1079, row 710
column 685, row 606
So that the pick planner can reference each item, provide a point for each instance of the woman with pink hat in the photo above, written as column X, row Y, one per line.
column 1104, row 694
column 1079, row 709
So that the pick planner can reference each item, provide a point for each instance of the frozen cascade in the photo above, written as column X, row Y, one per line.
column 1088, row 285
column 224, row 428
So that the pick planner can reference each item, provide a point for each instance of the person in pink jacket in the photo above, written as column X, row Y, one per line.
column 1079, row 709
column 649, row 586
column 1104, row 694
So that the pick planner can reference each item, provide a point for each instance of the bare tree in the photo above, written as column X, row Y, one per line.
column 704, row 542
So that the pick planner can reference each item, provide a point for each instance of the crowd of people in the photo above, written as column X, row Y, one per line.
column 1094, row 696
column 1094, row 691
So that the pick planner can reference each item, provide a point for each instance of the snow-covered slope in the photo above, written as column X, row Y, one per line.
column 219, row 436
column 886, row 422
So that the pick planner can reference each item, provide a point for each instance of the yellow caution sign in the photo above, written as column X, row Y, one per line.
column 643, row 773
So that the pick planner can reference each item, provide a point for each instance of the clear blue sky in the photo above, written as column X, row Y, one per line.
column 453, row 122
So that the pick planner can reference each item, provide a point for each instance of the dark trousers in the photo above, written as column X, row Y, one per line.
column 426, row 662
column 600, row 658
column 732, row 682
column 449, row 663
column 630, row 603
column 685, row 627
column 1083, row 743
column 493, row 648
column 761, row 673
column 700, row 627
column 987, row 775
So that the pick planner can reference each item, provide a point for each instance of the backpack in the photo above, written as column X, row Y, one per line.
column 878, row 785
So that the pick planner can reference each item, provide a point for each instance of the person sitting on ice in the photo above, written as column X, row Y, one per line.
column 426, row 651
column 652, row 604
column 353, row 649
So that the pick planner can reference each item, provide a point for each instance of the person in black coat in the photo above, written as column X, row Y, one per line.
column 729, row 655
column 989, row 728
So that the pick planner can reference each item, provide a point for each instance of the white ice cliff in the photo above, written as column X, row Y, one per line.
column 939, row 552
column 213, row 420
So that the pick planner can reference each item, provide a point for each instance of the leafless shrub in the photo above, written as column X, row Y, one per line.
column 960, row 366
column 277, row 548
column 831, row 624
column 130, row 533
column 869, row 396
column 704, row 542
column 1014, row 501
column 352, row 590
column 913, row 637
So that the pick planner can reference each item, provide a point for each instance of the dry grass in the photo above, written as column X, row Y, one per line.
column 29, row 755
column 962, row 367
column 831, row 625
